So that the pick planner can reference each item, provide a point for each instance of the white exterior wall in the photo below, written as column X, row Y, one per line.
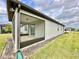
column 51, row 29
column 40, row 29
column 61, row 29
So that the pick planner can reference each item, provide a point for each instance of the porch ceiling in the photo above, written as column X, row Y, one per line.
column 28, row 19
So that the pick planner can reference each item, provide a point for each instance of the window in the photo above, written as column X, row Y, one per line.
column 32, row 29
column 57, row 29
column 26, row 27
column 61, row 28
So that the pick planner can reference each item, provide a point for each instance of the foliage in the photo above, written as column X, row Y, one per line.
column 7, row 29
column 78, row 30
column 73, row 29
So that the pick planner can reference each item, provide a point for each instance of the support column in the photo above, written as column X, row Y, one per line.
column 17, row 29
column 13, row 29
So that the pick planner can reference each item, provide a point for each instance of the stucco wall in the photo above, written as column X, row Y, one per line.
column 52, row 29
column 39, row 29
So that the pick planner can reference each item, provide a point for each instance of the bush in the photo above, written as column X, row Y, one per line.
column 7, row 29
column 66, row 32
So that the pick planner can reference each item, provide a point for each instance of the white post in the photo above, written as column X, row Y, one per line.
column 13, row 28
column 17, row 29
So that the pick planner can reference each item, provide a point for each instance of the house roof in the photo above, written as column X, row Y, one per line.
column 3, row 24
column 14, row 4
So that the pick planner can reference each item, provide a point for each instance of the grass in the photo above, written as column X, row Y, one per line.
column 62, row 47
column 3, row 39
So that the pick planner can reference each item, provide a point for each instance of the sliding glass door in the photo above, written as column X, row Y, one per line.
column 32, row 29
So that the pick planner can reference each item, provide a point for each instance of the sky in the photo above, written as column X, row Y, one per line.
column 64, row 11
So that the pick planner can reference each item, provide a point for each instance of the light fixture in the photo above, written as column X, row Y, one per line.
column 27, row 19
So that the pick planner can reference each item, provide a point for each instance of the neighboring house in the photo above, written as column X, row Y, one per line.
column 68, row 29
column 27, row 20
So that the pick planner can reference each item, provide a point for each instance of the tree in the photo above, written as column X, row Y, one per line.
column 72, row 29
column 8, row 28
column 78, row 30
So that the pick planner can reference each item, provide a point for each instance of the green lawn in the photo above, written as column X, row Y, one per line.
column 3, row 39
column 63, row 47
